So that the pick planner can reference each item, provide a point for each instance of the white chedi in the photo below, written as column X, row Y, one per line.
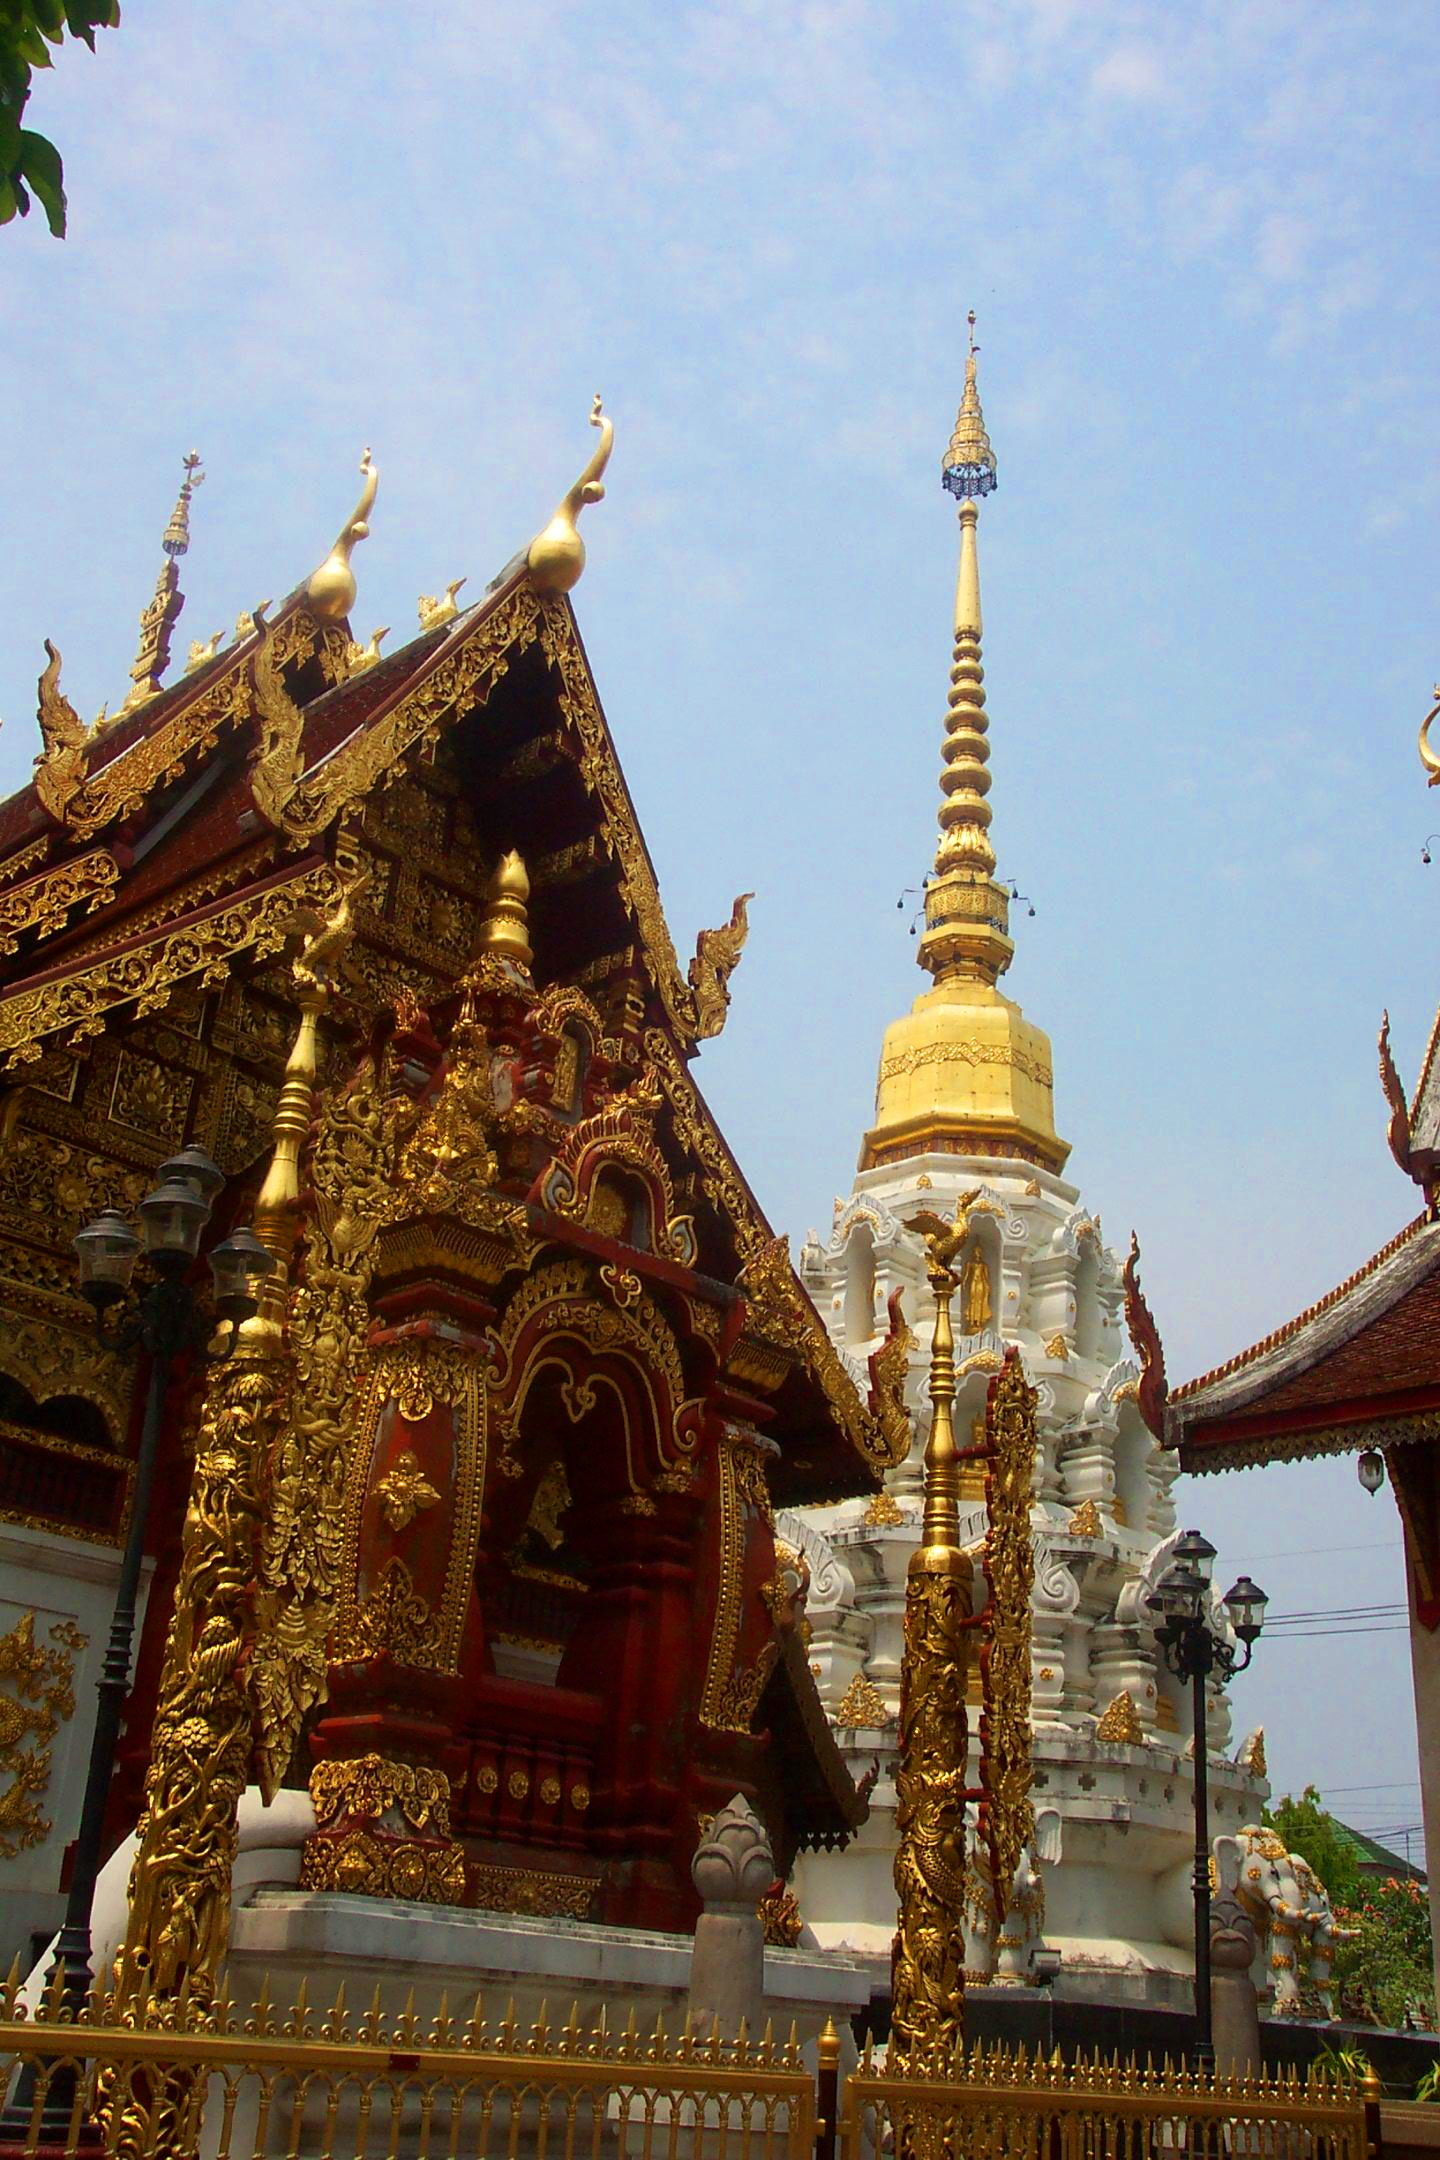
column 1107, row 1882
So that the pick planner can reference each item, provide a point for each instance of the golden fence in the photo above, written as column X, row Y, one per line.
column 224, row 2084
column 334, row 2086
column 991, row 2104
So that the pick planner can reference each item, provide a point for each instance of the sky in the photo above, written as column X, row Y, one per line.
column 1202, row 246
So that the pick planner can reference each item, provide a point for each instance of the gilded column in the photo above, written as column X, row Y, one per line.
column 928, row 1960
column 179, row 1919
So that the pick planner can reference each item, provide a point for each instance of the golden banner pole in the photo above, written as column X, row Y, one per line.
column 928, row 1960
column 201, row 1749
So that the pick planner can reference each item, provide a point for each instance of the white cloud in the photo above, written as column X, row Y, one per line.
column 1135, row 72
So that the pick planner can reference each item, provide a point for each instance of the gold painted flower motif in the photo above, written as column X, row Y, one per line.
column 405, row 1490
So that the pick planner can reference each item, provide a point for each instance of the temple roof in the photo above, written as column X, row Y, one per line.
column 176, row 845
column 1359, row 1368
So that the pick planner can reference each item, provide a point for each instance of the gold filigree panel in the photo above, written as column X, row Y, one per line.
column 80, row 1003
column 37, row 1695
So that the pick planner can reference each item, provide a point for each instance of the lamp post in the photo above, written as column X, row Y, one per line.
column 163, row 1318
column 1193, row 1649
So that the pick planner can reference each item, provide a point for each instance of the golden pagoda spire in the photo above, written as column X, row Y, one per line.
column 160, row 617
column 964, row 1072
column 966, row 910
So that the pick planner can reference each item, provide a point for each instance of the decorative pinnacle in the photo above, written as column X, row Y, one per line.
column 968, row 467
column 505, row 929
column 158, row 621
column 966, row 910
column 177, row 532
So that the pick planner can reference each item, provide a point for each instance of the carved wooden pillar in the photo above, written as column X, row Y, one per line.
column 636, row 1650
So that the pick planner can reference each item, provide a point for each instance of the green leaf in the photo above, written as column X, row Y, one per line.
column 9, row 201
column 40, row 163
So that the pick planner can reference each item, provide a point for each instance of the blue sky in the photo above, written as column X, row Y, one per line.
column 1202, row 245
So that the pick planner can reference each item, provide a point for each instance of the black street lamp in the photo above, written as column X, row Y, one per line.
column 163, row 1318
column 1193, row 1649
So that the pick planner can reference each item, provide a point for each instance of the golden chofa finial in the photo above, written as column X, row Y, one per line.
column 330, row 592
column 1429, row 756
column 505, row 930
column 557, row 555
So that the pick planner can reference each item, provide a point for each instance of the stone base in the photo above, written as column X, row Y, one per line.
column 326, row 1937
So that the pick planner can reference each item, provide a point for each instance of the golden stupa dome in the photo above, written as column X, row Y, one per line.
column 964, row 1072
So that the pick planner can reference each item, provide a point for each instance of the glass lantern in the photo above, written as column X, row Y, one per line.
column 238, row 1267
column 108, row 1249
column 172, row 1217
column 193, row 1164
column 1194, row 1551
column 1245, row 1604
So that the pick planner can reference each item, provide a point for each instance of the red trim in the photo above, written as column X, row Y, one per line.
column 1260, row 1424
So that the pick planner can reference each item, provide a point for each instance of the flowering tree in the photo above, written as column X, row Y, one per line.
column 1385, row 1973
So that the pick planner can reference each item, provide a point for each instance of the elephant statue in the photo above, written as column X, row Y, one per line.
column 1005, row 1957
column 1320, row 1931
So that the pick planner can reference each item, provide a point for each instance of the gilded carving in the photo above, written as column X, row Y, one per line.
column 1085, row 1522
column 37, row 1696
column 928, row 1959
column 43, row 903
column 528, row 1890
column 1122, row 1721
column 208, row 947
column 150, row 1098
column 394, row 1617
column 303, row 1533
column 639, row 1332
column 51, row 1360
column 862, row 1707
column 460, row 679
column 728, row 1698
column 1007, row 1821
column 965, row 1051
column 370, row 1786
column 414, row 1372
column 717, row 955
column 277, row 759
column 882, row 1511
column 405, row 1491
column 60, row 767
column 359, row 1861
column 200, row 1752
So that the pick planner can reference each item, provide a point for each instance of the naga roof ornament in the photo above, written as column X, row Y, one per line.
column 330, row 590
column 60, row 767
column 557, row 555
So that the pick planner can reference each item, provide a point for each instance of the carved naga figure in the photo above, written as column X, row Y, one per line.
column 717, row 955
column 1154, row 1388
column 60, row 767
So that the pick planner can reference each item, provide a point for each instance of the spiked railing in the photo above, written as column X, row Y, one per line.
column 391, row 2082
column 206, row 2076
column 992, row 2103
